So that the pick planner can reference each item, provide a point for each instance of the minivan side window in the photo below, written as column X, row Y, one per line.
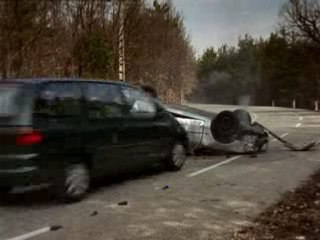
column 104, row 100
column 140, row 104
column 8, row 100
column 59, row 100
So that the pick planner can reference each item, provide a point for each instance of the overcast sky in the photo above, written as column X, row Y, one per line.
column 215, row 22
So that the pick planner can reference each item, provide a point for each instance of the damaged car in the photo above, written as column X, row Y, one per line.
column 227, row 131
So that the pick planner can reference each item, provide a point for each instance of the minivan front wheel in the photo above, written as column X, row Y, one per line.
column 76, row 183
column 177, row 157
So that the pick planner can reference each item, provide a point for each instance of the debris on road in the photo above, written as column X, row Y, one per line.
column 94, row 213
column 211, row 200
column 289, row 145
column 55, row 227
column 296, row 216
column 165, row 187
column 123, row 203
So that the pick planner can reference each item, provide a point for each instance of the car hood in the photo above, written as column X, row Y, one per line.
column 190, row 112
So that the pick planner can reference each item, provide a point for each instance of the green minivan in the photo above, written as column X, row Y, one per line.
column 64, row 133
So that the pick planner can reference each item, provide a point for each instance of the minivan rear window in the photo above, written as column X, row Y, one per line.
column 9, row 105
column 15, row 104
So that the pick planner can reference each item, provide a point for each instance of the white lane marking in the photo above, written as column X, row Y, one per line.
column 298, row 125
column 300, row 118
column 223, row 162
column 213, row 166
column 282, row 136
column 32, row 234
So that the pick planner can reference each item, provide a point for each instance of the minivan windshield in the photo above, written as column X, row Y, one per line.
column 9, row 105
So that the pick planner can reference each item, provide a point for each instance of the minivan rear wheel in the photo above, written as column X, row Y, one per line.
column 75, row 184
column 177, row 157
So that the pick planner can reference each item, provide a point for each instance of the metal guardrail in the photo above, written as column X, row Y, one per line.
column 295, row 104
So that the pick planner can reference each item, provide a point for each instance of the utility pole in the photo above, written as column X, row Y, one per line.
column 121, row 45
column 294, row 103
column 122, row 63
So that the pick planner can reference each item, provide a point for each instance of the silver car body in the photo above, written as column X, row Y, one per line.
column 197, row 124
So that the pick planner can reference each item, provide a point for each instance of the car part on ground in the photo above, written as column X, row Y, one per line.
column 305, row 147
column 123, row 203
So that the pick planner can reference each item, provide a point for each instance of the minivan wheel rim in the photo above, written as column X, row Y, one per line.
column 77, row 182
column 178, row 155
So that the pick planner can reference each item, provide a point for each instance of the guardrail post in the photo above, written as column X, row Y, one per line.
column 316, row 105
column 294, row 103
column 273, row 103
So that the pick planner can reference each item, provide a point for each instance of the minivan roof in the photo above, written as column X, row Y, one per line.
column 44, row 80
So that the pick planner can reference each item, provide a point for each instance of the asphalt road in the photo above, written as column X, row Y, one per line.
column 210, row 198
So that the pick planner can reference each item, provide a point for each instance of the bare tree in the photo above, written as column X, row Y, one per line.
column 303, row 18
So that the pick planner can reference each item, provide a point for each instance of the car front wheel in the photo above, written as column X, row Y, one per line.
column 177, row 157
column 75, row 183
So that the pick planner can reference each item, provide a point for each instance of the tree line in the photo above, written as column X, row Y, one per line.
column 80, row 38
column 281, row 68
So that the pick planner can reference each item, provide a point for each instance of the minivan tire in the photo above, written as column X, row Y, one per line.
column 176, row 158
column 75, row 183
